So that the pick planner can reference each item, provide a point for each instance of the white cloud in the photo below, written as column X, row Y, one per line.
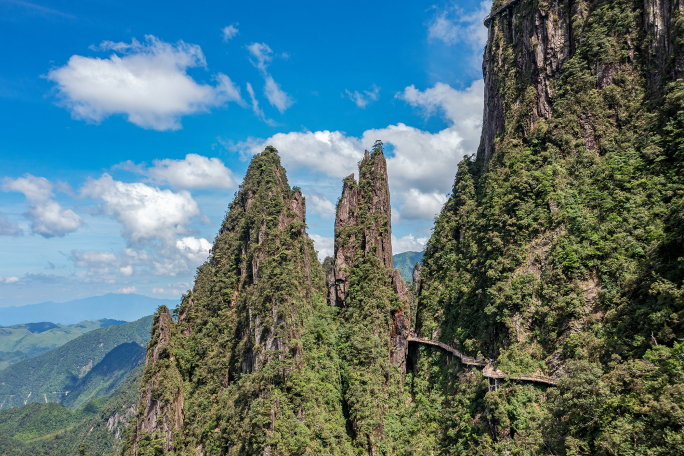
column 126, row 271
column 461, row 108
column 423, row 161
column 324, row 245
column 196, row 250
column 149, row 84
column 126, row 290
column 195, row 171
column 421, row 165
column 255, row 106
column 363, row 99
column 320, row 205
column 262, row 55
column 408, row 244
column 146, row 213
column 453, row 25
column 48, row 218
column 421, row 206
column 229, row 31
column 9, row 227
column 9, row 279
column 275, row 95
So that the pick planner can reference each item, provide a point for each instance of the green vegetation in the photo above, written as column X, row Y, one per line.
column 89, row 366
column 562, row 254
column 405, row 262
column 18, row 342
column 52, row 429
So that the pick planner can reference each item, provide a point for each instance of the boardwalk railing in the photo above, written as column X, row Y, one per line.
column 500, row 10
column 488, row 370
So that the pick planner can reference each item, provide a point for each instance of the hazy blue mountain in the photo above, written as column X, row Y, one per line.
column 18, row 342
column 405, row 263
column 92, row 365
column 128, row 307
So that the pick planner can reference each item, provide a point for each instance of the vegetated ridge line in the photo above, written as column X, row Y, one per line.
column 488, row 370
column 499, row 10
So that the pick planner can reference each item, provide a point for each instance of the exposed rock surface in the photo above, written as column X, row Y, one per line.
column 161, row 398
column 240, row 331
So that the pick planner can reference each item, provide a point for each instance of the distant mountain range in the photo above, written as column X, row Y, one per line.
column 128, row 307
column 92, row 365
column 405, row 263
column 18, row 342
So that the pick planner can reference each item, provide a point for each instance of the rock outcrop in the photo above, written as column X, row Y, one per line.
column 373, row 299
column 160, row 409
column 238, row 348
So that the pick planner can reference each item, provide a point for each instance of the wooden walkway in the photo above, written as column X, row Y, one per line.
column 488, row 371
column 499, row 10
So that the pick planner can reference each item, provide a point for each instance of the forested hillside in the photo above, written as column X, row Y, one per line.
column 27, row 340
column 52, row 429
column 560, row 250
column 92, row 365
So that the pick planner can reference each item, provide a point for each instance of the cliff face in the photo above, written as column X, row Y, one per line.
column 373, row 299
column 549, row 256
column 160, row 412
column 241, row 365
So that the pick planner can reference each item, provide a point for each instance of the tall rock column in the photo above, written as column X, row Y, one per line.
column 373, row 299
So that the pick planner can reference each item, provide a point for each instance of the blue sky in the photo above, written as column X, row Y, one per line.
column 126, row 128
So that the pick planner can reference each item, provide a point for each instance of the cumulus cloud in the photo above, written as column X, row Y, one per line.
column 363, row 99
column 9, row 279
column 408, row 244
column 195, row 171
column 421, row 206
column 195, row 250
column 421, row 166
column 48, row 218
column 261, row 56
column 229, row 31
column 319, row 204
column 461, row 108
column 9, row 227
column 109, row 263
column 148, row 83
column 168, row 291
column 324, row 245
column 146, row 213
column 155, row 225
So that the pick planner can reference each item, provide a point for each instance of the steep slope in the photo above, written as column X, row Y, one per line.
column 374, row 305
column 90, row 365
column 559, row 251
column 18, row 342
column 52, row 429
column 250, row 366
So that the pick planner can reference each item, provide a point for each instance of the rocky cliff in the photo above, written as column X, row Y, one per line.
column 242, row 370
column 373, row 299
column 549, row 256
